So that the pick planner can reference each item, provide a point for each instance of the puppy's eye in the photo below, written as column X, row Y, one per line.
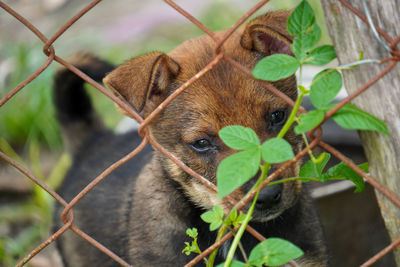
column 277, row 117
column 202, row 145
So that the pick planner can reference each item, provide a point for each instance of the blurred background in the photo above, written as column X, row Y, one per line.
column 116, row 31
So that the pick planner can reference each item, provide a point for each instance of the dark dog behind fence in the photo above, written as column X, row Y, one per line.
column 68, row 214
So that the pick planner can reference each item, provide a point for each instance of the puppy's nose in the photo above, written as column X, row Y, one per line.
column 269, row 196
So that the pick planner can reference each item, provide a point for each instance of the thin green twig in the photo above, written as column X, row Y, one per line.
column 264, row 170
column 221, row 232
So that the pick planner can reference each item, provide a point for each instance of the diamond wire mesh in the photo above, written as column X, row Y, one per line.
column 68, row 216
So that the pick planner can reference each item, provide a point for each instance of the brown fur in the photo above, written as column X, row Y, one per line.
column 159, row 201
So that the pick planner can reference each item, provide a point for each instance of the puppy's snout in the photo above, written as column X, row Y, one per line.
column 269, row 196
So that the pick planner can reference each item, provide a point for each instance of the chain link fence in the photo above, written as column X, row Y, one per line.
column 68, row 214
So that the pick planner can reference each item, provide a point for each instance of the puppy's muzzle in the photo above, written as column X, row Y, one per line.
column 269, row 196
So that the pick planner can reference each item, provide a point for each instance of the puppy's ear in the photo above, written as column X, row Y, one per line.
column 143, row 81
column 268, row 34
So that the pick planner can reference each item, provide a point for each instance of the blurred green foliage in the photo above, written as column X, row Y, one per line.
column 29, row 221
column 29, row 115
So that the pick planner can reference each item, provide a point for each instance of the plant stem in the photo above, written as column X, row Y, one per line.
column 240, row 232
column 355, row 64
column 241, row 248
column 308, row 148
column 292, row 116
column 221, row 232
column 264, row 170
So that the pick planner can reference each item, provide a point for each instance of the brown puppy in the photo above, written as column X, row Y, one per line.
column 141, row 212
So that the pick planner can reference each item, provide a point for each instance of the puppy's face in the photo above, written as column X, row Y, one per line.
column 188, row 127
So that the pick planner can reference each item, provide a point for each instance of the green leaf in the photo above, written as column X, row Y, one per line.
column 325, row 86
column 239, row 137
column 239, row 219
column 303, row 43
column 275, row 67
column 276, row 150
column 234, row 264
column 219, row 211
column 209, row 216
column 301, row 19
column 309, row 120
column 191, row 248
column 213, row 217
column 364, row 167
column 233, row 215
column 192, row 232
column 341, row 172
column 314, row 170
column 237, row 169
column 187, row 250
column 352, row 118
column 315, row 35
column 234, row 219
column 215, row 225
column 194, row 246
column 321, row 55
column 274, row 252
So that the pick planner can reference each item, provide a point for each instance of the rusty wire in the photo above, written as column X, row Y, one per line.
column 315, row 134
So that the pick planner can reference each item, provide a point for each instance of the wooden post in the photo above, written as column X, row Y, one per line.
column 350, row 35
